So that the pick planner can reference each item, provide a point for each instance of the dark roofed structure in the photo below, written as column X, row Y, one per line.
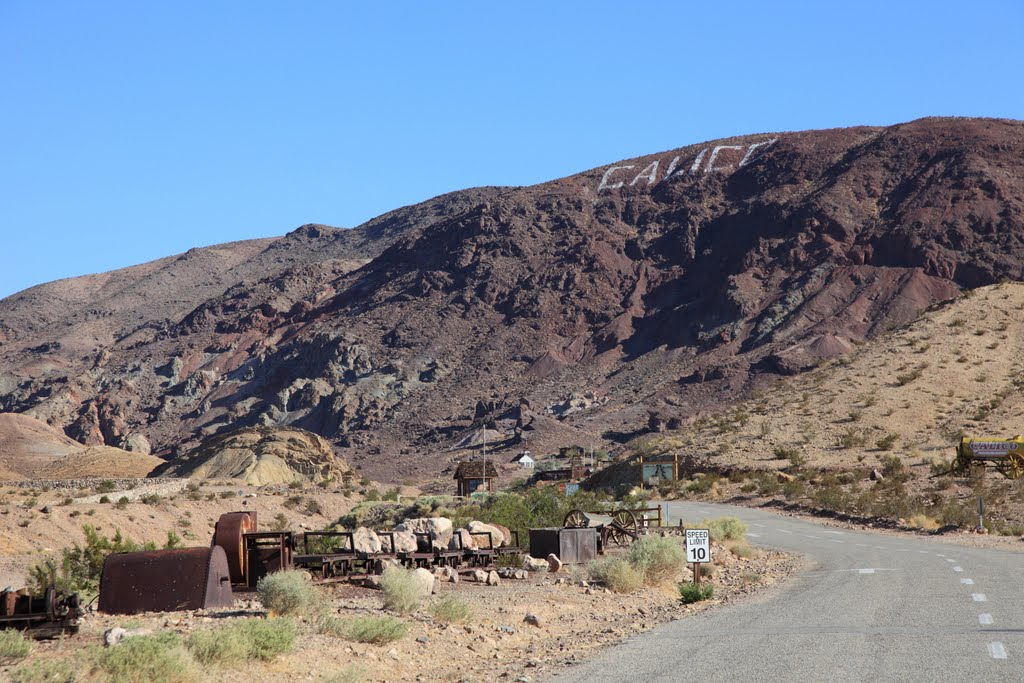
column 475, row 475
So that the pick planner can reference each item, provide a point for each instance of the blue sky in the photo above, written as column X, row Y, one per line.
column 131, row 131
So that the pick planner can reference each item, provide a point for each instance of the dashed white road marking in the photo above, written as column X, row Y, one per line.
column 967, row 582
column 862, row 545
column 759, row 526
column 949, row 560
column 978, row 597
column 880, row 547
column 958, row 568
column 814, row 537
column 923, row 552
column 837, row 533
column 939, row 555
column 836, row 540
column 753, row 535
column 996, row 651
column 985, row 619
column 866, row 571
column 784, row 531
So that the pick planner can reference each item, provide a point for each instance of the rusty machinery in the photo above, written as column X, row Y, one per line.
column 614, row 528
column 49, row 616
column 1006, row 456
column 165, row 581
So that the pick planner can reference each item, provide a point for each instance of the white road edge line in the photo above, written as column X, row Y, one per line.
column 978, row 597
column 784, row 531
column 985, row 619
column 996, row 651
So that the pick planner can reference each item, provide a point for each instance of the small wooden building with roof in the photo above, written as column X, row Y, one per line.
column 475, row 475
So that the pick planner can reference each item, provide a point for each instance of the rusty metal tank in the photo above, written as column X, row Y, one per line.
column 227, row 534
column 165, row 581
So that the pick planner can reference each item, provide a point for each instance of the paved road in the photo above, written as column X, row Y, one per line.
column 870, row 607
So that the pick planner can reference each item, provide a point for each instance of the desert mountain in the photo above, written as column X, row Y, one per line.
column 30, row 449
column 628, row 297
column 260, row 456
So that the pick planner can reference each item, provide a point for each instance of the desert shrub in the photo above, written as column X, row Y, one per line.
column 280, row 522
column 288, row 592
column 104, row 499
column 509, row 560
column 690, row 592
column 767, row 483
column 376, row 630
column 393, row 494
column 106, row 486
column 617, row 574
column 741, row 549
column 831, row 497
column 725, row 529
column 894, row 469
column 122, row 503
column 886, row 442
column 657, row 558
column 375, row 515
column 264, row 639
column 44, row 671
column 13, row 646
column 794, row 488
column 145, row 659
column 80, row 567
column 451, row 609
column 923, row 522
column 217, row 647
column 293, row 502
column 703, row 482
column 313, row 507
column 401, row 590
column 151, row 498
column 330, row 625
column 852, row 438
column 784, row 452
column 227, row 494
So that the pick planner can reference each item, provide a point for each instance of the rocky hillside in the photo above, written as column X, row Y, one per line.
column 586, row 309
column 259, row 456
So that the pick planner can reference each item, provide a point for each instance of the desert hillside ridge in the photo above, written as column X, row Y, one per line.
column 897, row 405
column 586, row 310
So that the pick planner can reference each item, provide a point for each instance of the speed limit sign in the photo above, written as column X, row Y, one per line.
column 698, row 545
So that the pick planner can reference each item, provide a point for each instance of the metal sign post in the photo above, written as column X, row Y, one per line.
column 981, row 513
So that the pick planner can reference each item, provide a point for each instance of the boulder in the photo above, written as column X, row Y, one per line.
column 535, row 565
column 405, row 542
column 493, row 579
column 440, row 529
column 448, row 574
column 533, row 620
column 505, row 532
column 554, row 564
column 366, row 540
column 468, row 542
column 480, row 576
column 424, row 581
column 497, row 537
column 114, row 636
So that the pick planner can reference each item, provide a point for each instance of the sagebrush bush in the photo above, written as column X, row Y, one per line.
column 146, row 659
column 44, row 671
column 217, row 647
column 691, row 592
column 376, row 630
column 451, row 609
column 288, row 592
column 617, row 574
column 13, row 646
column 725, row 529
column 401, row 590
column 265, row 638
column 353, row 673
column 657, row 558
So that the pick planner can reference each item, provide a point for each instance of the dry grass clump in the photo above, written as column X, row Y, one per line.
column 451, row 609
column 243, row 640
column 658, row 559
column 44, row 671
column 401, row 590
column 286, row 593
column 376, row 630
column 725, row 529
column 353, row 673
column 923, row 522
column 13, row 646
column 144, row 659
column 617, row 574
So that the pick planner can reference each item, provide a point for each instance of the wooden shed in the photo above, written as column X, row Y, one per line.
column 476, row 475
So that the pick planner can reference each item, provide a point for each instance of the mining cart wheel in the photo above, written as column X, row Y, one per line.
column 623, row 527
column 576, row 519
column 1013, row 466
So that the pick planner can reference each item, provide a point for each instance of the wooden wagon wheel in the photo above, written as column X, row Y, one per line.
column 1013, row 466
column 576, row 519
column 623, row 521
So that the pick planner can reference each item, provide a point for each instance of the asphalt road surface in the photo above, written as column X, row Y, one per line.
column 869, row 607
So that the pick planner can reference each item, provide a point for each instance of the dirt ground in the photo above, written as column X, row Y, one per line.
column 575, row 620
